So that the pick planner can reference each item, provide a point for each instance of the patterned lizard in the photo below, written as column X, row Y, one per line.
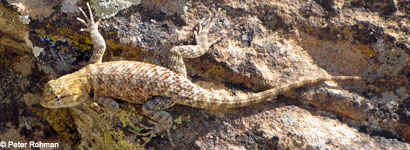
column 155, row 87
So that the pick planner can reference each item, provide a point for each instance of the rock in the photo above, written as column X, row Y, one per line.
column 266, row 44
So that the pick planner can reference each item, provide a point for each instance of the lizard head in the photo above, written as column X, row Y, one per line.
column 66, row 91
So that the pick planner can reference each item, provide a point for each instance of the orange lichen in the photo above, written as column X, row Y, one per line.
column 365, row 49
column 406, row 132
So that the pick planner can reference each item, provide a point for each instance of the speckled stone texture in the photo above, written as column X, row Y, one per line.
column 266, row 44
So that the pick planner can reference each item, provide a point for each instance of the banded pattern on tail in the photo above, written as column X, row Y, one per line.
column 226, row 101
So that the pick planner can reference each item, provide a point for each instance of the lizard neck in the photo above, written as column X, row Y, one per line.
column 66, row 91
column 76, row 81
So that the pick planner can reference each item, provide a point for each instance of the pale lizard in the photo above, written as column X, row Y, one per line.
column 155, row 87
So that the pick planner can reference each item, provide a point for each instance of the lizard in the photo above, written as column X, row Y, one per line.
column 156, row 88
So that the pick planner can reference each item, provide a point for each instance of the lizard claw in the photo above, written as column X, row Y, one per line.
column 89, row 20
column 152, row 134
column 146, row 127
column 216, row 41
column 209, row 21
column 202, row 34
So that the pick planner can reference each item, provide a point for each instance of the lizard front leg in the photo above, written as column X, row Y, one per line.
column 98, row 40
column 98, row 52
column 107, row 102
column 176, row 54
column 162, row 120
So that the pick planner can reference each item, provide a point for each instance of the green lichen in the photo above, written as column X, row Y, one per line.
column 62, row 124
column 178, row 120
column 108, row 140
column 62, row 127
column 181, row 119
column 94, row 124
column 111, row 7
column 127, row 52
column 82, row 41
column 124, row 117
column 5, row 60
column 12, row 12
column 113, row 140
column 391, row 59
column 188, row 118
column 214, row 71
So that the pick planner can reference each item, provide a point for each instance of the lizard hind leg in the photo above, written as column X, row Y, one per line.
column 201, row 37
column 175, row 62
column 175, row 55
column 162, row 120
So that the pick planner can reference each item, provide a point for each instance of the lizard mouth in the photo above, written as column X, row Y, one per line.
column 63, row 101
column 53, row 105
column 48, row 105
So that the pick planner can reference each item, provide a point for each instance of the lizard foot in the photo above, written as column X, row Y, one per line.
column 164, row 124
column 98, row 40
column 152, row 133
column 202, row 43
column 162, row 120
column 201, row 36
column 89, row 21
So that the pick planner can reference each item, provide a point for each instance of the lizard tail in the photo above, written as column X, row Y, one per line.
column 221, row 102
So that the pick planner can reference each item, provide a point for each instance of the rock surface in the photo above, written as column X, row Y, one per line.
column 267, row 43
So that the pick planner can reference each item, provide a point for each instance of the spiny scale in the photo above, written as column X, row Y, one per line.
column 155, row 87
column 136, row 82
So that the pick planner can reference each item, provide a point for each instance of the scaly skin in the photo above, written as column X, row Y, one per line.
column 157, row 88
column 136, row 82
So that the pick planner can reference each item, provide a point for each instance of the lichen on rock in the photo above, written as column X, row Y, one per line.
column 266, row 44
column 111, row 7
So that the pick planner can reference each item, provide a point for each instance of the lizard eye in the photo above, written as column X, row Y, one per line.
column 57, row 97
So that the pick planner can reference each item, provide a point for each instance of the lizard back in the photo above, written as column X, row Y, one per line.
column 136, row 82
